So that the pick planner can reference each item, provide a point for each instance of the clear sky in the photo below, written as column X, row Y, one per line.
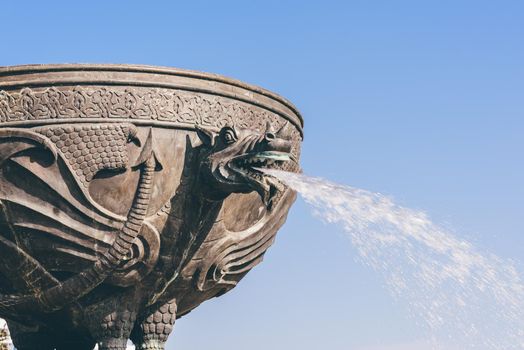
column 421, row 100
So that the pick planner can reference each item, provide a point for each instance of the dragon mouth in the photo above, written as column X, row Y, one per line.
column 251, row 166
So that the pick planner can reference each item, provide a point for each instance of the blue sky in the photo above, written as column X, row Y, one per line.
column 420, row 100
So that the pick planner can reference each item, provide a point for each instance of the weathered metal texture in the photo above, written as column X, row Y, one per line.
column 129, row 195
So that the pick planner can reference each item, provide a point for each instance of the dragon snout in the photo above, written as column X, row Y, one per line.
column 273, row 143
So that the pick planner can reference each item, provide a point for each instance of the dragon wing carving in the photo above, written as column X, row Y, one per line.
column 47, row 198
column 226, row 256
column 45, row 203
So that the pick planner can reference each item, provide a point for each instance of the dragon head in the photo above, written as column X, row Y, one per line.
column 232, row 159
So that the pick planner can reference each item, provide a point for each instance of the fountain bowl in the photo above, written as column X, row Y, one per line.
column 131, row 194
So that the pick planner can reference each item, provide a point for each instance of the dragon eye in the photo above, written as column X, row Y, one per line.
column 229, row 136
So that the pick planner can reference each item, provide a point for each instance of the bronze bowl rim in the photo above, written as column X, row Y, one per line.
column 86, row 74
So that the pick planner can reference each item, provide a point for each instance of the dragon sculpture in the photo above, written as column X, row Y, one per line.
column 86, row 260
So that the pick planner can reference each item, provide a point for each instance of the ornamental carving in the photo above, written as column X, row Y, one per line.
column 181, row 108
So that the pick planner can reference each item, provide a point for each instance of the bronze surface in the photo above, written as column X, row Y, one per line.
column 129, row 195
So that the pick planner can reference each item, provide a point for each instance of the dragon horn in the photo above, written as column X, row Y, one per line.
column 283, row 132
